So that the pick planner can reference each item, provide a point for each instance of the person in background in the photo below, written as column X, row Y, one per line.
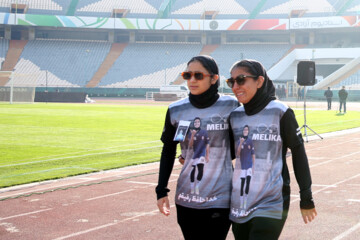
column 273, row 130
column 283, row 92
column 202, row 213
column 299, row 93
column 343, row 94
column 328, row 94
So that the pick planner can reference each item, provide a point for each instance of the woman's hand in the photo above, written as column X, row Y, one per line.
column 181, row 160
column 164, row 205
column 308, row 214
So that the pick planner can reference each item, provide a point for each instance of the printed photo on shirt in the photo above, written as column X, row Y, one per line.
column 253, row 164
column 199, row 142
column 181, row 130
column 245, row 159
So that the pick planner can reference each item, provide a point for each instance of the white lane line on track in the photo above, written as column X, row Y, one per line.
column 113, row 194
column 310, row 149
column 347, row 232
column 5, row 193
column 25, row 214
column 323, row 185
column 108, row 225
column 353, row 200
column 329, row 161
column 10, row 194
column 330, row 186
column 146, row 183
column 109, row 195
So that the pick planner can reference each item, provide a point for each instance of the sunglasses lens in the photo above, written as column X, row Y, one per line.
column 230, row 82
column 186, row 75
column 240, row 80
column 199, row 76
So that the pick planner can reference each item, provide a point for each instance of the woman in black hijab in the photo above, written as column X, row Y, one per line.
column 202, row 202
column 274, row 130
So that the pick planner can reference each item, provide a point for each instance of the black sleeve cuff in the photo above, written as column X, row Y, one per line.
column 306, row 201
column 161, row 192
column 309, row 204
column 166, row 165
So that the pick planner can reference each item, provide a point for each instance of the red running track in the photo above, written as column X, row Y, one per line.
column 121, row 204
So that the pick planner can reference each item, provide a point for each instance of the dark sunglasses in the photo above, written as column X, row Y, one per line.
column 240, row 80
column 197, row 75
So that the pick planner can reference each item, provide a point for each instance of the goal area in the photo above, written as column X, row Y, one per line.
column 17, row 87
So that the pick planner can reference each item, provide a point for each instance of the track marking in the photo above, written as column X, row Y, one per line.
column 146, row 183
column 9, row 227
column 108, row 195
column 329, row 145
column 78, row 180
column 347, row 232
column 4, row 195
column 109, row 224
column 25, row 214
column 328, row 161
column 322, row 185
column 330, row 186
column 89, row 230
column 353, row 200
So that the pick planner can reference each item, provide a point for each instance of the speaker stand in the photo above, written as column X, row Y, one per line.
column 305, row 126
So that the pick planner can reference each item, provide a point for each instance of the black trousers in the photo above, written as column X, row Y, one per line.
column 342, row 102
column 198, row 224
column 258, row 228
column 329, row 103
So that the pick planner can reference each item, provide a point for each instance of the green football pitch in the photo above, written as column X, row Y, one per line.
column 45, row 141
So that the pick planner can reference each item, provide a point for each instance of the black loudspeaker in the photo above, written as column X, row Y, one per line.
column 306, row 73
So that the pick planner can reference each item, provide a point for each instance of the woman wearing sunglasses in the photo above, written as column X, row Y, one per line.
column 273, row 129
column 202, row 209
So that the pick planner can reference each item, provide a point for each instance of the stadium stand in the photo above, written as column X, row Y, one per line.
column 104, row 8
column 144, row 64
column 71, row 63
column 346, row 7
column 236, row 52
column 309, row 7
column 50, row 7
column 148, row 58
column 188, row 9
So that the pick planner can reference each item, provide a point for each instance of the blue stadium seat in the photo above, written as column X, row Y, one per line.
column 145, row 61
column 73, row 61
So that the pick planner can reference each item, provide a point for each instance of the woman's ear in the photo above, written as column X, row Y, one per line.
column 214, row 78
column 260, row 81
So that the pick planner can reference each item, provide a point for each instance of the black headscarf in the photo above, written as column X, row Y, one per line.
column 210, row 96
column 263, row 95
column 246, row 137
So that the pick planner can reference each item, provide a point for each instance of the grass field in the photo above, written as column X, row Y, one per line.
column 48, row 141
